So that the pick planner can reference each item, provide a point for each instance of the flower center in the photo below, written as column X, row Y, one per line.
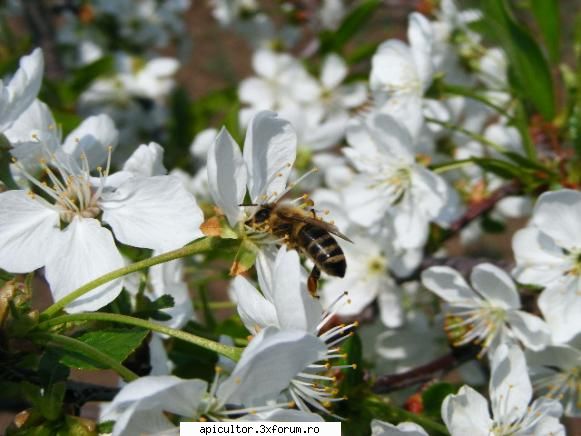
column 376, row 265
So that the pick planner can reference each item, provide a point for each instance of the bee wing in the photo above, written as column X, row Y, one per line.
column 314, row 221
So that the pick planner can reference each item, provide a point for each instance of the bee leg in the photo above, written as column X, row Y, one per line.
column 312, row 281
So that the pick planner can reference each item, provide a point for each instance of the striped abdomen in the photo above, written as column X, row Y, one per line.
column 323, row 249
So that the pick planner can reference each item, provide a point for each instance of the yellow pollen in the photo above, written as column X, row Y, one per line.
column 354, row 366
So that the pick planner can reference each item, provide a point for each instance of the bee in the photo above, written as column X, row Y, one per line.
column 303, row 230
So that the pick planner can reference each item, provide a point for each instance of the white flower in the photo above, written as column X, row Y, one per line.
column 63, row 232
column 265, row 165
column 21, row 90
column 511, row 392
column 401, row 73
column 381, row 428
column 391, row 184
column 367, row 279
column 286, row 304
column 487, row 313
column 265, row 369
column 556, row 373
column 282, row 81
column 548, row 254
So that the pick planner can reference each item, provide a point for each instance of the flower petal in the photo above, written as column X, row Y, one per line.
column 531, row 330
column 255, row 311
column 381, row 428
column 539, row 261
column 466, row 413
column 495, row 285
column 22, row 88
column 295, row 307
column 333, row 71
column 510, row 387
column 153, row 212
column 268, row 364
column 227, row 175
column 146, row 161
column 560, row 304
column 85, row 251
column 269, row 152
column 94, row 138
column 28, row 231
column 449, row 285
column 557, row 214
column 420, row 36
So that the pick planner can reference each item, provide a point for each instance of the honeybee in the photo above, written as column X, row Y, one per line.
column 303, row 230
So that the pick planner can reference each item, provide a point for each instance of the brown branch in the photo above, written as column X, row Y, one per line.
column 478, row 209
column 425, row 373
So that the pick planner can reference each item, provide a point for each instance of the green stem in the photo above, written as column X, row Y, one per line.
column 480, row 138
column 470, row 93
column 79, row 347
column 449, row 166
column 225, row 350
column 199, row 246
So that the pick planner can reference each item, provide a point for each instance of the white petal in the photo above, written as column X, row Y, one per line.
column 268, row 364
column 136, row 421
column 381, row 428
column 166, row 392
column 531, row 330
column 430, row 191
column 28, row 231
column 420, row 36
column 449, row 285
column 364, row 204
column 269, row 152
column 295, row 307
column 510, row 387
column 558, row 214
column 539, row 260
column 255, row 311
column 154, row 212
column 406, row 107
column 390, row 308
column 33, row 135
column 256, row 92
column 84, row 252
column 146, row 161
column 283, row 415
column 560, row 304
column 227, row 175
column 495, row 286
column 22, row 88
column 411, row 226
column 333, row 71
column 466, row 413
column 267, row 63
column 202, row 142
column 393, row 67
column 94, row 137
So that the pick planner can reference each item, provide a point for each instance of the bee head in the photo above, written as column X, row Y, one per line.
column 261, row 216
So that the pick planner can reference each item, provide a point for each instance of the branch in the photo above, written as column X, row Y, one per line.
column 478, row 209
column 424, row 373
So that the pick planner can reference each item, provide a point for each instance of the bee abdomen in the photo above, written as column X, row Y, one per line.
column 323, row 249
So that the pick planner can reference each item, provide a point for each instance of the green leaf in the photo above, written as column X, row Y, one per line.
column 501, row 168
column 245, row 258
column 84, row 76
column 546, row 13
column 117, row 343
column 532, row 76
column 433, row 397
column 351, row 24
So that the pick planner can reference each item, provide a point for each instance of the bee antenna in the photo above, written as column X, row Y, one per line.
column 248, row 204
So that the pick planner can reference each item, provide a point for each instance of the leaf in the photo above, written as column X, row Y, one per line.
column 84, row 76
column 244, row 259
column 501, row 168
column 546, row 13
column 351, row 24
column 532, row 76
column 433, row 397
column 117, row 343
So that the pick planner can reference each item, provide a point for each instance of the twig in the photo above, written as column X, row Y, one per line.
column 424, row 373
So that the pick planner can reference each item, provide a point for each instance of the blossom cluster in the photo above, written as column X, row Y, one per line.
column 377, row 171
